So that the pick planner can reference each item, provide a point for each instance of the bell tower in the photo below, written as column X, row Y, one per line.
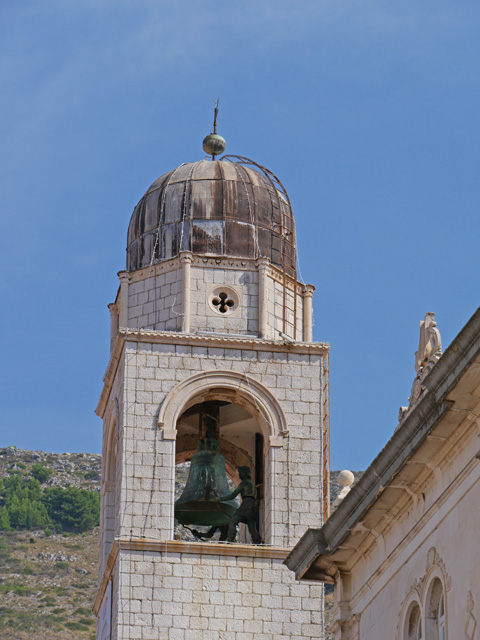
column 212, row 363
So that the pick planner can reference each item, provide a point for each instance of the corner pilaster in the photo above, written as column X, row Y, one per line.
column 186, row 260
column 123, row 311
column 307, row 313
column 262, row 297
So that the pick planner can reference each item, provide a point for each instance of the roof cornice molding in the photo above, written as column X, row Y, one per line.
column 215, row 262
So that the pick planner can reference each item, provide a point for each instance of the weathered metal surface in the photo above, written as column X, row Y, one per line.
column 202, row 502
column 214, row 145
column 213, row 208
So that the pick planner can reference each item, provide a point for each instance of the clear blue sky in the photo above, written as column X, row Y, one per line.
column 368, row 111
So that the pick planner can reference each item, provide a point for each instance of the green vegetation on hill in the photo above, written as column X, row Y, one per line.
column 27, row 506
column 73, row 509
column 48, row 579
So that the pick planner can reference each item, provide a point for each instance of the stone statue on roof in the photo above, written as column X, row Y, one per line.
column 429, row 352
column 430, row 343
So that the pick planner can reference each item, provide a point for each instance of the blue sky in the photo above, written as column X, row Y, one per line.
column 369, row 112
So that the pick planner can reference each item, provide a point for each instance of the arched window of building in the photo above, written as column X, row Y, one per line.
column 413, row 623
column 435, row 619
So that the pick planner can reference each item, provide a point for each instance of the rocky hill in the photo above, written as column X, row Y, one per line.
column 80, row 470
column 48, row 581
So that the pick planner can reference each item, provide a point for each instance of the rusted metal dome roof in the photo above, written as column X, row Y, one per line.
column 222, row 208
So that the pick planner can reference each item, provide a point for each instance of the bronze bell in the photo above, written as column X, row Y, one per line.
column 206, row 482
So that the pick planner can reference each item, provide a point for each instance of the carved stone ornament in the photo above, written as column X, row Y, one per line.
column 428, row 354
column 350, row 626
column 471, row 622
column 417, row 586
column 433, row 560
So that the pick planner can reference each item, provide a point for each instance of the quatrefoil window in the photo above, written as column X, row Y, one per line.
column 223, row 300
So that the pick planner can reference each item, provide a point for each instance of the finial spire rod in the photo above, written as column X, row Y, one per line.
column 215, row 116
column 214, row 144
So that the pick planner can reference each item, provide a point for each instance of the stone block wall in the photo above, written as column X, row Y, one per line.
column 244, row 320
column 275, row 306
column 155, row 302
column 292, row 462
column 176, row 595
column 155, row 299
column 184, row 596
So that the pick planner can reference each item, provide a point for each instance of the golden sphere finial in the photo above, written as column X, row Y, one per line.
column 214, row 144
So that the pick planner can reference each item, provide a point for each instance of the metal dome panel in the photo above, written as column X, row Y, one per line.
column 221, row 207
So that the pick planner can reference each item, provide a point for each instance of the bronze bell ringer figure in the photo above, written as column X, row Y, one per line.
column 247, row 512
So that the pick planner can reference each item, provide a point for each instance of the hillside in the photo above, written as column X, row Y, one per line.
column 48, row 582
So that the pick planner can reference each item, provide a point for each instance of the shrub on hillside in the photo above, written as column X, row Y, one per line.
column 23, row 507
column 27, row 506
column 73, row 509
column 40, row 473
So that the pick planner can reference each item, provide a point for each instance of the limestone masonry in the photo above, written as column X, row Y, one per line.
column 210, row 311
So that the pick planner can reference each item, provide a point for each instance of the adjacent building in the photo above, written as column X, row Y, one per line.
column 402, row 547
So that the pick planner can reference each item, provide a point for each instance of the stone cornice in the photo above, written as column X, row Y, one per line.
column 223, row 549
column 218, row 341
column 216, row 262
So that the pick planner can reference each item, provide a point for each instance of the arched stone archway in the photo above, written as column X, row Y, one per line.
column 229, row 386
column 247, row 394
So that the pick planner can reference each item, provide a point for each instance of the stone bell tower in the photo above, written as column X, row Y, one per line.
column 210, row 318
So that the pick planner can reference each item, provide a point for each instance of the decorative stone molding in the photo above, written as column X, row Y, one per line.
column 173, row 337
column 418, row 586
column 152, row 270
column 434, row 560
column 349, row 628
column 224, row 263
column 417, row 590
column 232, row 387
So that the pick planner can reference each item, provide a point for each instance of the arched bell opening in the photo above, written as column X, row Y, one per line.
column 235, row 439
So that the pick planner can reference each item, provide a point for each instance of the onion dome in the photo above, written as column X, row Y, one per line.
column 229, row 207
